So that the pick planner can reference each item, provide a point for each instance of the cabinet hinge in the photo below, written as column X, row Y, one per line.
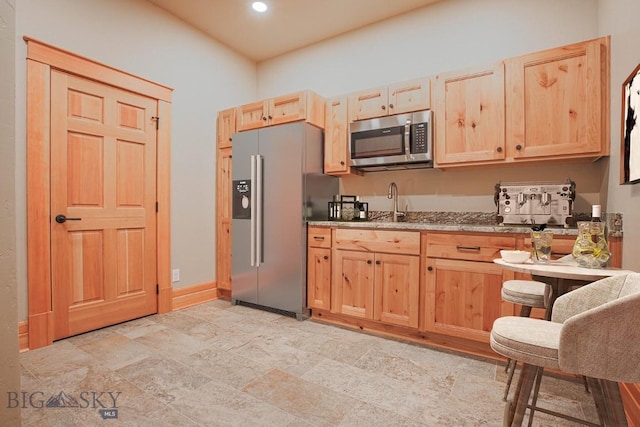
column 157, row 120
column 157, row 289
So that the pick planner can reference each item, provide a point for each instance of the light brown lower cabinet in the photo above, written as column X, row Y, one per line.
column 371, row 284
column 463, row 285
column 378, row 286
column 464, row 297
column 224, row 254
column 319, row 268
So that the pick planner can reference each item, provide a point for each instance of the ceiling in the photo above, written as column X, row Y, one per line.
column 287, row 25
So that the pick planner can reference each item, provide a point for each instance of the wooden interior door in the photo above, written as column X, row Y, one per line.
column 103, row 172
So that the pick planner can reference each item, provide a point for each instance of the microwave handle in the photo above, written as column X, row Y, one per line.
column 407, row 138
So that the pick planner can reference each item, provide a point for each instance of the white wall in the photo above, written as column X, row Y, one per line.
column 140, row 38
column 9, row 361
column 445, row 36
column 620, row 19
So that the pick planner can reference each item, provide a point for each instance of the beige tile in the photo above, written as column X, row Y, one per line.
column 216, row 404
column 172, row 343
column 316, row 404
column 164, row 379
column 406, row 370
column 367, row 415
column 55, row 360
column 227, row 368
column 216, row 365
column 138, row 327
column 275, row 355
column 115, row 350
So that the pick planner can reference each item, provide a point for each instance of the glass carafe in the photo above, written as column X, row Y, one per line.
column 590, row 249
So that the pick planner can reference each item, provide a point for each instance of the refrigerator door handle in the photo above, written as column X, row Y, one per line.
column 253, row 211
column 259, row 213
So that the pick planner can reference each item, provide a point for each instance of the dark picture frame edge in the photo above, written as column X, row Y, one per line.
column 628, row 139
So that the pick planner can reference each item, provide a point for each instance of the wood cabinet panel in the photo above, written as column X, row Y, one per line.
column 319, row 278
column 223, row 252
column 223, row 218
column 223, row 186
column 352, row 290
column 225, row 127
column 469, row 116
column 319, row 237
column 373, row 240
column 464, row 297
column 319, row 267
column 298, row 106
column 252, row 116
column 412, row 95
column 558, row 102
column 337, row 155
column 474, row 247
column 369, row 103
column 402, row 97
column 396, row 291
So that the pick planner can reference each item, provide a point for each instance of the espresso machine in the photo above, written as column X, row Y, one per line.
column 535, row 203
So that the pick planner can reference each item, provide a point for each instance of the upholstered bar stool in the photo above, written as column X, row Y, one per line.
column 529, row 294
column 591, row 333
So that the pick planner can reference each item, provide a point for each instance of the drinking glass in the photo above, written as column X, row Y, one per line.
column 541, row 246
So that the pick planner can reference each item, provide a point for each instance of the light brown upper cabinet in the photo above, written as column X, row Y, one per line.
column 336, row 138
column 469, row 116
column 403, row 97
column 298, row 106
column 226, row 127
column 547, row 105
column 557, row 102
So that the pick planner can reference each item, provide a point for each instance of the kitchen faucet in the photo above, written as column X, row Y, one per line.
column 393, row 194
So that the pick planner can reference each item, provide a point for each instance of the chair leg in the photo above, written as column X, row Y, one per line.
column 514, row 363
column 599, row 400
column 523, row 391
column 536, row 390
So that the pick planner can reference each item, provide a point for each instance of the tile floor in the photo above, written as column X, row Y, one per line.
column 216, row 364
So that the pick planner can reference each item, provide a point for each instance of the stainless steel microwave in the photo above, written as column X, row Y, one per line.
column 402, row 141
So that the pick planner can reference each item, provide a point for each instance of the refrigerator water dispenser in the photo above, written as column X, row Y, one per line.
column 241, row 199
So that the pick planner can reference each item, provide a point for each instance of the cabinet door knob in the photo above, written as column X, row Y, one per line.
column 368, row 261
column 264, row 118
column 325, row 257
column 499, row 149
column 230, row 139
column 518, row 147
column 341, row 162
column 378, row 262
column 270, row 117
column 390, row 105
column 429, row 268
column 384, row 108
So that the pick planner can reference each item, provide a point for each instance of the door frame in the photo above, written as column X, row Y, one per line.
column 41, row 58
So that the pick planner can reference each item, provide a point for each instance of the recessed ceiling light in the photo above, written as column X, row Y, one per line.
column 259, row 6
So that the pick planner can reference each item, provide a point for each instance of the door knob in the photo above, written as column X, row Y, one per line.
column 60, row 219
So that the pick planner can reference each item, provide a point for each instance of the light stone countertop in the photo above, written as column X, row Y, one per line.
column 423, row 226
column 476, row 222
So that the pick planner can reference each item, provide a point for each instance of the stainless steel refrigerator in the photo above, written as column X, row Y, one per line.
column 278, row 185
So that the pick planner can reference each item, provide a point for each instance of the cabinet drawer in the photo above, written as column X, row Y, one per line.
column 473, row 247
column 389, row 241
column 319, row 237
